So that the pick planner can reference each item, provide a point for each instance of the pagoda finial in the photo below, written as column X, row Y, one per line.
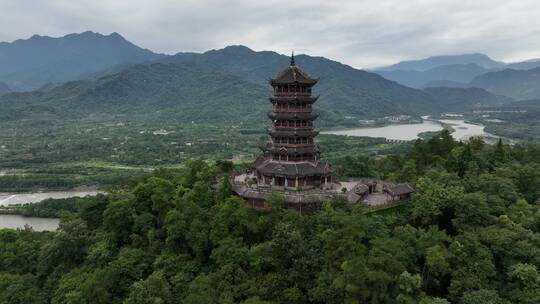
column 292, row 58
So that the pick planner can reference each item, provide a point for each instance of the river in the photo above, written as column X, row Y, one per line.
column 462, row 130
column 14, row 221
column 38, row 224
column 7, row 199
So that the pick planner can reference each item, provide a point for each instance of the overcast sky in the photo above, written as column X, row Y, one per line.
column 359, row 33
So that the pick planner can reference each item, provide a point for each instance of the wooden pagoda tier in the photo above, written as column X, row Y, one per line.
column 291, row 159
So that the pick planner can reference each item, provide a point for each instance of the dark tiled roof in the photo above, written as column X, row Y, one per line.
column 400, row 189
column 271, row 167
column 361, row 189
column 291, row 150
column 293, row 74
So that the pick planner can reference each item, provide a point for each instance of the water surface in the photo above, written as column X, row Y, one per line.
column 7, row 199
column 462, row 130
column 14, row 221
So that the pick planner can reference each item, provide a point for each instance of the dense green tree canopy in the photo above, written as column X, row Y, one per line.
column 469, row 235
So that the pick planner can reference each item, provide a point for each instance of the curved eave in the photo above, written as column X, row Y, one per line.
column 293, row 169
column 294, row 151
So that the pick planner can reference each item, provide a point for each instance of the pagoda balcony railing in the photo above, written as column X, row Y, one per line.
column 292, row 110
column 292, row 94
column 281, row 128
column 299, row 145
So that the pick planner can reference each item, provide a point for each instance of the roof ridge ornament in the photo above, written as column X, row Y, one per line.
column 292, row 59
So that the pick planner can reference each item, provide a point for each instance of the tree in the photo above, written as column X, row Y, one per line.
column 407, row 173
column 225, row 190
column 482, row 296
column 409, row 288
column 522, row 213
column 526, row 283
column 20, row 289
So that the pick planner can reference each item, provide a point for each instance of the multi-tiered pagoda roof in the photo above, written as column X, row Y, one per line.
column 291, row 159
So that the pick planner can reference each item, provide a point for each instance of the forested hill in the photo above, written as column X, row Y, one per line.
column 28, row 64
column 460, row 100
column 470, row 235
column 228, row 86
column 179, row 92
column 518, row 84
column 343, row 88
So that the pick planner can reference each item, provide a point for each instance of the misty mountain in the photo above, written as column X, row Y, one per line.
column 465, row 99
column 4, row 88
column 432, row 62
column 518, row 84
column 445, row 83
column 182, row 92
column 524, row 65
column 222, row 86
column 453, row 72
column 40, row 60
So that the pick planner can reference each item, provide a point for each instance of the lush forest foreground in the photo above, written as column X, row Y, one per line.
column 469, row 235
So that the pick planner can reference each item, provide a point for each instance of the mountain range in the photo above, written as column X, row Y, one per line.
column 472, row 70
column 425, row 64
column 518, row 84
column 40, row 60
column 87, row 74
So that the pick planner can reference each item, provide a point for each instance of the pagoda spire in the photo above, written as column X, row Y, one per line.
column 292, row 59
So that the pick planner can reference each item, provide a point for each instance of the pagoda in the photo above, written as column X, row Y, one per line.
column 290, row 162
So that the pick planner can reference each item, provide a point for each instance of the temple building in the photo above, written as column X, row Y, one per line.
column 291, row 158
column 290, row 162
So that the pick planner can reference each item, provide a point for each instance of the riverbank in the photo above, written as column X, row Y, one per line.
column 460, row 130
column 13, row 199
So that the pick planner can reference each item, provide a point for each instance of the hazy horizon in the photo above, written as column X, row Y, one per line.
column 364, row 34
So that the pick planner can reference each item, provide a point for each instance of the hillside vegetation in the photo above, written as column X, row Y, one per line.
column 469, row 235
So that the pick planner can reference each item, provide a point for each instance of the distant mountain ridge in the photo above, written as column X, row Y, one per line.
column 31, row 63
column 465, row 71
column 481, row 60
column 518, row 84
column 227, row 86
column 214, row 86
column 460, row 100
column 357, row 92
